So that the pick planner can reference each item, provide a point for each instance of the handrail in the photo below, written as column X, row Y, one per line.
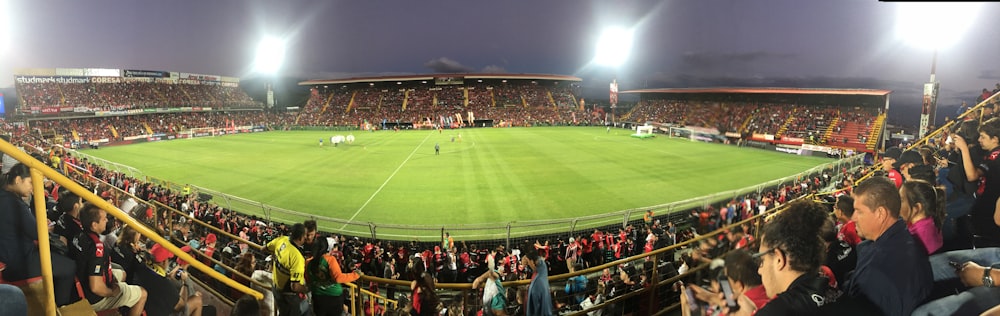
column 161, row 205
column 224, row 266
column 212, row 227
column 386, row 301
column 655, row 254
column 79, row 190
column 215, row 293
column 44, row 251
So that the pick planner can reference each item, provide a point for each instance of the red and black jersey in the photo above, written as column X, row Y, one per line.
column 586, row 245
column 464, row 262
column 990, row 160
column 482, row 254
column 91, row 260
column 439, row 261
column 598, row 238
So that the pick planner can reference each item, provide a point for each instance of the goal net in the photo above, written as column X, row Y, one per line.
column 680, row 132
column 694, row 133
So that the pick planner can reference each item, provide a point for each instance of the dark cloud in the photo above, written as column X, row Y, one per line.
column 446, row 65
column 343, row 75
column 705, row 61
column 493, row 69
column 989, row 75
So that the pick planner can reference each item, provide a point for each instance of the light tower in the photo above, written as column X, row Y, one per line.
column 270, row 55
column 612, row 50
column 933, row 25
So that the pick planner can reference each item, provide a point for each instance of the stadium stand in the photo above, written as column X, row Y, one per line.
column 336, row 107
column 131, row 95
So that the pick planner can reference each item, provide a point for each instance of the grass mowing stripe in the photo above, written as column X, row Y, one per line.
column 401, row 164
column 494, row 175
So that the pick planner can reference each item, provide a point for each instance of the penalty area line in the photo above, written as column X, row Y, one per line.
column 370, row 198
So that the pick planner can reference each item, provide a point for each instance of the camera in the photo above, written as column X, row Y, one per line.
column 178, row 274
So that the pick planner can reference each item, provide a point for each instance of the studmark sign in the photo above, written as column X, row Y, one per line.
column 52, row 79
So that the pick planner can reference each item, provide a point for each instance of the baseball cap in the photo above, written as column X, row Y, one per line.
column 923, row 172
column 160, row 253
column 909, row 156
column 184, row 249
column 210, row 238
column 893, row 152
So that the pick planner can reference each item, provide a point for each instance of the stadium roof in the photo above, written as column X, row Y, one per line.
column 490, row 76
column 812, row 91
column 814, row 96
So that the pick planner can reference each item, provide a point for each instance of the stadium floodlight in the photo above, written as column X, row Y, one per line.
column 613, row 46
column 270, row 55
column 6, row 27
column 934, row 25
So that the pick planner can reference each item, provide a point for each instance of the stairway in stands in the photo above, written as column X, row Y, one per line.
column 873, row 134
column 851, row 132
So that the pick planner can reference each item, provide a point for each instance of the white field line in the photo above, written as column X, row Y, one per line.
column 370, row 198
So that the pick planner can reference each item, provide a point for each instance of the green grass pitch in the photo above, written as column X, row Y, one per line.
column 489, row 175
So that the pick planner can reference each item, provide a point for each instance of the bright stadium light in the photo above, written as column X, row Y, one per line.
column 934, row 25
column 270, row 55
column 613, row 46
column 6, row 27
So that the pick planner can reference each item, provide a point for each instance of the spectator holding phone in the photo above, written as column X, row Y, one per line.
column 169, row 288
column 790, row 256
column 744, row 285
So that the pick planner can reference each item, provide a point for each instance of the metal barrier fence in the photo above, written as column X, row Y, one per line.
column 654, row 272
column 484, row 231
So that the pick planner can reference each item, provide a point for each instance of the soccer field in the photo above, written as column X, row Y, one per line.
column 484, row 176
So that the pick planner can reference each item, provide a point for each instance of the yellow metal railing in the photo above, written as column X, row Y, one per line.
column 39, row 171
column 653, row 255
column 355, row 289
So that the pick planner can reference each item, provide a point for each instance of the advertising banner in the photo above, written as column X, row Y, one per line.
column 146, row 73
column 102, row 72
column 51, row 79
column 198, row 77
column 138, row 79
column 105, row 80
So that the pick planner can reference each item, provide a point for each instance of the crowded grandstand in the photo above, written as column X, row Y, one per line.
column 626, row 268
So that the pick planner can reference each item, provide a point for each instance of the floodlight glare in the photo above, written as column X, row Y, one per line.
column 613, row 46
column 270, row 54
column 6, row 27
column 934, row 25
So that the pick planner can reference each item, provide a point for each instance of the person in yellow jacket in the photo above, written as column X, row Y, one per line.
column 289, row 269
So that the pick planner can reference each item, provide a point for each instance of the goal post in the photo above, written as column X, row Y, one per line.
column 681, row 132
column 696, row 133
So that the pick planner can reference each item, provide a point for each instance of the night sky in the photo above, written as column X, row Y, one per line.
column 703, row 43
